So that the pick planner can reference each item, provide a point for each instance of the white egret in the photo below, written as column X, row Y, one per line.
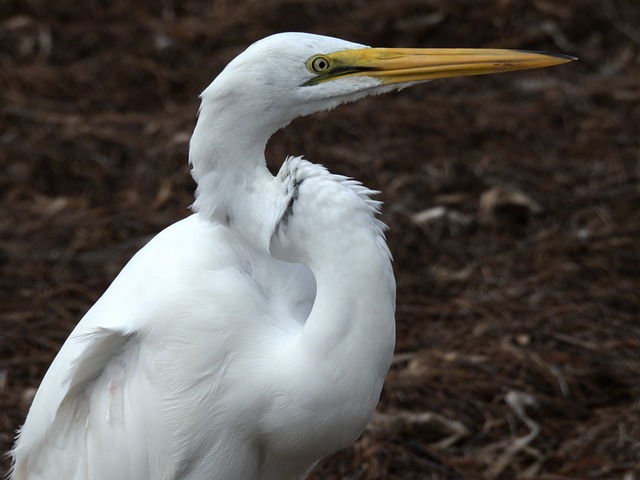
column 252, row 338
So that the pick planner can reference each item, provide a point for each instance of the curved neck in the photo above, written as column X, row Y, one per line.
column 323, row 221
column 352, row 319
column 332, row 229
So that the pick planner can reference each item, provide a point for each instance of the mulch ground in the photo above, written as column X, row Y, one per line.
column 513, row 204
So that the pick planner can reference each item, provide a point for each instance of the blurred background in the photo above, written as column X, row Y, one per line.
column 513, row 204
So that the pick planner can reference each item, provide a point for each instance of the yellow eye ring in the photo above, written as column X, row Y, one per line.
column 318, row 64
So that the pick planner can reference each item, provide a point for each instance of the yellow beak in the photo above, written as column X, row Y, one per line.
column 401, row 65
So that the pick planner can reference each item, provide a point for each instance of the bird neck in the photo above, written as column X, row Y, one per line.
column 332, row 228
column 352, row 319
column 309, row 216
column 226, row 153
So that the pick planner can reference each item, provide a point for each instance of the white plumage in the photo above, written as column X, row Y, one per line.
column 252, row 338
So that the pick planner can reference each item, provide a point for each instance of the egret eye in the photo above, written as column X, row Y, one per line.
column 318, row 64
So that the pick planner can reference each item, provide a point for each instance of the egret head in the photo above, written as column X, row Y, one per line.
column 288, row 75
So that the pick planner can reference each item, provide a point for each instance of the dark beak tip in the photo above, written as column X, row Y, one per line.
column 560, row 56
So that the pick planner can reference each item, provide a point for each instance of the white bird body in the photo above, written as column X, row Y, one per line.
column 252, row 338
column 200, row 325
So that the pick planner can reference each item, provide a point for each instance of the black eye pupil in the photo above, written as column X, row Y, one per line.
column 320, row 64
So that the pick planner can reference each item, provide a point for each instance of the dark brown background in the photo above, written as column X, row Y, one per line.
column 517, row 301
